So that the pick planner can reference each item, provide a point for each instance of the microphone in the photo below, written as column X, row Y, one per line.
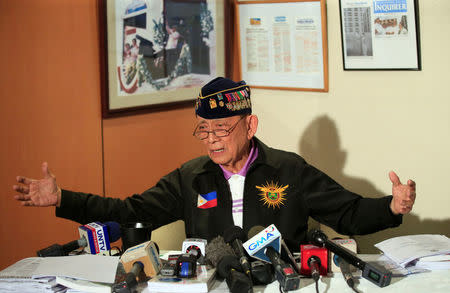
column 94, row 237
column 237, row 281
column 291, row 257
column 196, row 247
column 266, row 246
column 131, row 276
column 345, row 269
column 348, row 243
column 262, row 273
column 308, row 252
column 139, row 260
column 234, row 236
column 286, row 254
column 371, row 271
column 314, row 264
column 227, row 265
column 97, row 236
column 147, row 253
column 319, row 238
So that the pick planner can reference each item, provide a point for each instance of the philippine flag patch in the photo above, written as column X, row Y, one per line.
column 206, row 201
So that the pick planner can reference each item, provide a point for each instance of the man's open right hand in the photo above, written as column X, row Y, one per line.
column 40, row 193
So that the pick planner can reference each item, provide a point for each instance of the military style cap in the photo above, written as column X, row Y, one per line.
column 222, row 97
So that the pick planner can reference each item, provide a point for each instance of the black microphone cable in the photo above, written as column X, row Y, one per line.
column 346, row 272
column 314, row 264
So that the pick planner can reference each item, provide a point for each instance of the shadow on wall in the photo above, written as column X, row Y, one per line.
column 320, row 146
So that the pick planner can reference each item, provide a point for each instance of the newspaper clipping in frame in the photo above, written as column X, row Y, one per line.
column 379, row 33
column 390, row 19
column 282, row 44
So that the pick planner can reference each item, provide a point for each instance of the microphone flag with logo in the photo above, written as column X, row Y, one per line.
column 256, row 246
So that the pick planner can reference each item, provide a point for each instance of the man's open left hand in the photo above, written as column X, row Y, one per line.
column 404, row 195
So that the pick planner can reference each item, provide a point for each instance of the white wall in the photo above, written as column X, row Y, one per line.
column 371, row 122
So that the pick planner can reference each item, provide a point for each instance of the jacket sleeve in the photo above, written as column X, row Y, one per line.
column 159, row 205
column 344, row 211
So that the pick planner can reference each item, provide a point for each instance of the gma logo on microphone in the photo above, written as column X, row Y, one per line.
column 262, row 237
column 257, row 245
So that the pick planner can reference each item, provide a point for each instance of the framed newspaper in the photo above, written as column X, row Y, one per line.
column 158, row 53
column 283, row 44
column 380, row 34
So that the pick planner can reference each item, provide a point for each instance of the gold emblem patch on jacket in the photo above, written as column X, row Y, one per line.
column 272, row 194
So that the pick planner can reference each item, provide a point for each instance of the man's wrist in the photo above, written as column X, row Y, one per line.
column 58, row 197
column 391, row 206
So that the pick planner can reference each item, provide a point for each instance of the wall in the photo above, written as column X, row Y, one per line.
column 367, row 124
column 371, row 122
column 49, row 111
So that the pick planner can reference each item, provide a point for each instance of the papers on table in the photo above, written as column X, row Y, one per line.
column 77, row 285
column 415, row 249
column 14, row 285
column 40, row 272
column 393, row 267
column 437, row 262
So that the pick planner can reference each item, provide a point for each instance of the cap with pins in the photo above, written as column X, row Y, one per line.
column 223, row 97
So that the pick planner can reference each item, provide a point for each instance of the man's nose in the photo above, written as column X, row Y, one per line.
column 212, row 137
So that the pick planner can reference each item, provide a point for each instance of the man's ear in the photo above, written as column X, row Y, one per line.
column 252, row 124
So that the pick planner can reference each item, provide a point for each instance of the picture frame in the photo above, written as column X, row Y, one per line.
column 283, row 44
column 380, row 34
column 158, row 53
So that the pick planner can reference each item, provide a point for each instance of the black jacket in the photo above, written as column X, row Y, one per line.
column 280, row 188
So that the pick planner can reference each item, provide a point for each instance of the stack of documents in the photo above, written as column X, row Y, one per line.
column 428, row 251
column 41, row 274
column 30, row 285
column 436, row 262
column 18, row 278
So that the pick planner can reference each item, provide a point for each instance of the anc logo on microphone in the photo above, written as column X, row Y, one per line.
column 272, row 194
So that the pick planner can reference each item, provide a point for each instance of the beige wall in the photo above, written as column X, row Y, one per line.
column 371, row 122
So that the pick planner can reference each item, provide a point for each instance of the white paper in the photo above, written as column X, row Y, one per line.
column 405, row 249
column 17, row 285
column 89, row 267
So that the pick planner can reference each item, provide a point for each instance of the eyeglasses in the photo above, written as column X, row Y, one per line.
column 203, row 134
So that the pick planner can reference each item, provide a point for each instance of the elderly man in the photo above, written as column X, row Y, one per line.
column 241, row 182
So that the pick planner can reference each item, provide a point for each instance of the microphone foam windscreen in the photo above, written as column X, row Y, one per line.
column 239, row 283
column 217, row 249
column 234, row 232
column 113, row 231
column 226, row 264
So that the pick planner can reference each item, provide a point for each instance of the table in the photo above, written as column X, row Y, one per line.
column 436, row 281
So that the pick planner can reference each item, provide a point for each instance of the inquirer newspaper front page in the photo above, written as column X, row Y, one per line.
column 379, row 34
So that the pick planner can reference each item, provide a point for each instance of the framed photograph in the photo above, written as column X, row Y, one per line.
column 380, row 34
column 283, row 44
column 158, row 53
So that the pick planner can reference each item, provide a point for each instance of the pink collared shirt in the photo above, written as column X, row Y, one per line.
column 243, row 172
